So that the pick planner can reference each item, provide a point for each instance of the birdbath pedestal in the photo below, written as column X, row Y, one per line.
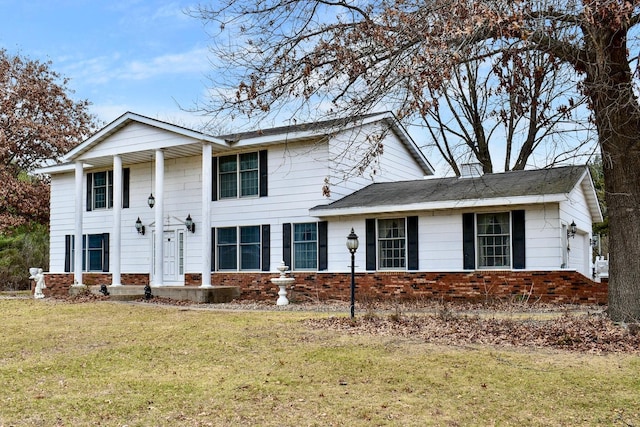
column 282, row 282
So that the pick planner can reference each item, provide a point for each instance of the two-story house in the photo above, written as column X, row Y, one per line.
column 147, row 202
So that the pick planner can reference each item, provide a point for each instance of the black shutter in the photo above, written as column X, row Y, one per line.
column 370, row 243
column 214, row 179
column 110, row 189
column 85, row 238
column 126, row 174
column 517, row 218
column 105, row 252
column 286, row 244
column 468, row 241
column 412, row 243
column 323, row 262
column 89, row 193
column 67, row 253
column 213, row 249
column 266, row 247
column 263, row 173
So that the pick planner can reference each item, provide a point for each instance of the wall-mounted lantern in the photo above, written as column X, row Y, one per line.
column 190, row 224
column 571, row 231
column 139, row 227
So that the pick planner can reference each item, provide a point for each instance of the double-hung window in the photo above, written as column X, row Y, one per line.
column 250, row 248
column 227, row 248
column 239, row 175
column 249, row 178
column 305, row 246
column 95, row 252
column 392, row 243
column 100, row 189
column 238, row 248
column 494, row 240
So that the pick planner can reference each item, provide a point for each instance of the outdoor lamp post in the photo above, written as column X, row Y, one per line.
column 352, row 245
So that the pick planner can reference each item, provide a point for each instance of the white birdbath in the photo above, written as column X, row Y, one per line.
column 282, row 283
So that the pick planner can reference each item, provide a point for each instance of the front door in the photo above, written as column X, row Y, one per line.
column 173, row 251
column 170, row 255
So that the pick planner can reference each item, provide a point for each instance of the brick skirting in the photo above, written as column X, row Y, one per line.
column 476, row 286
column 58, row 284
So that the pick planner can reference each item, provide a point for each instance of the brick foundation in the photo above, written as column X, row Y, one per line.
column 476, row 286
column 58, row 284
column 546, row 286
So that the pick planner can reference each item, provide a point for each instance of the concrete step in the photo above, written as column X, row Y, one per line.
column 212, row 295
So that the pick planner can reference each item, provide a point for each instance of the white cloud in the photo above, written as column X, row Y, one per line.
column 97, row 70
column 192, row 62
column 104, row 69
column 109, row 112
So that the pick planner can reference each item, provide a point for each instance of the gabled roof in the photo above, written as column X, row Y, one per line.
column 188, row 143
column 330, row 127
column 508, row 188
column 302, row 128
column 191, row 144
column 128, row 118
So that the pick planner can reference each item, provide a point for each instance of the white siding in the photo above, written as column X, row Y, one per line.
column 347, row 151
column 339, row 256
column 62, row 206
column 135, row 137
column 296, row 175
column 576, row 209
column 542, row 234
column 440, row 239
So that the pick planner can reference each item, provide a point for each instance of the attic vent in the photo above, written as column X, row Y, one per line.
column 470, row 170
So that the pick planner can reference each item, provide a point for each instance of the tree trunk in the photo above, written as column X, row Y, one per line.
column 617, row 116
column 622, row 187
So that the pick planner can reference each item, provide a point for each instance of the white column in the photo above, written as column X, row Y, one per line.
column 207, row 165
column 77, row 259
column 159, row 207
column 116, row 239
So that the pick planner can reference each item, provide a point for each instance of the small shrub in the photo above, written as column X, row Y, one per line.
column 445, row 313
column 397, row 315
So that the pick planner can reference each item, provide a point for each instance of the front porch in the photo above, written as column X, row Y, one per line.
column 212, row 295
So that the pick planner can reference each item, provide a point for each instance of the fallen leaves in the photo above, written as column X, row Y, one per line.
column 590, row 333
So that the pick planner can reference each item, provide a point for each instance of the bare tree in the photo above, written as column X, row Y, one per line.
column 508, row 109
column 38, row 121
column 356, row 55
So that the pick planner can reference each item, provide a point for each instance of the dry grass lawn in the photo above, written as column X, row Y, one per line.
column 115, row 364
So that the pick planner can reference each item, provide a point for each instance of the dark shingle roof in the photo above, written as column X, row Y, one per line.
column 332, row 124
column 498, row 185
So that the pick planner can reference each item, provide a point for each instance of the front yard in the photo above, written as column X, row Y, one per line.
column 116, row 364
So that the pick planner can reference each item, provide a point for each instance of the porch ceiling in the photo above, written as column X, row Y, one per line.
column 145, row 156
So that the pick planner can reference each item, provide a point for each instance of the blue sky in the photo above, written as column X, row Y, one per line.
column 145, row 56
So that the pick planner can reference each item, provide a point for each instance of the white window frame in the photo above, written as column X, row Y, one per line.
column 297, row 243
column 482, row 259
column 239, row 173
column 238, row 248
column 402, row 240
